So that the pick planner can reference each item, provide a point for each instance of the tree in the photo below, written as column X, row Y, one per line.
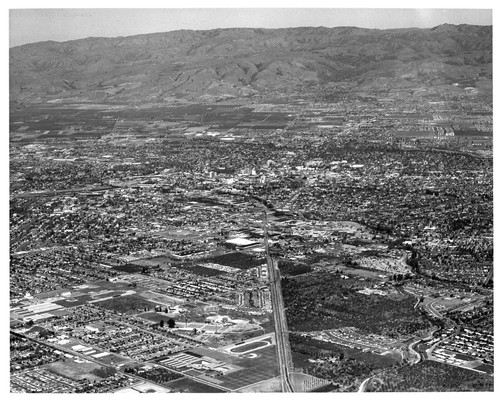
column 162, row 323
column 104, row 372
column 171, row 323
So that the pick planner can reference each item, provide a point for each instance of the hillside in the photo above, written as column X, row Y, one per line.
column 246, row 62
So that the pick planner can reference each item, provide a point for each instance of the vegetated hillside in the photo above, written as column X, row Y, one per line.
column 245, row 62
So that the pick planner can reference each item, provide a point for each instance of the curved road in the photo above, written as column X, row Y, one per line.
column 415, row 353
column 362, row 387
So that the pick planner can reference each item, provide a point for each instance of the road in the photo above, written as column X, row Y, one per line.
column 417, row 358
column 283, row 353
column 75, row 354
column 56, row 192
column 282, row 344
column 430, row 306
column 98, row 362
column 362, row 387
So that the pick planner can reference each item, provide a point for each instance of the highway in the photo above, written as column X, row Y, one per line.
column 283, row 353
column 429, row 305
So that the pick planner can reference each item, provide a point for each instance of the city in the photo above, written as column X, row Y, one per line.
column 280, row 242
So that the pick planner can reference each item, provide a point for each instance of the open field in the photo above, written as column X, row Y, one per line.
column 154, row 317
column 303, row 382
column 267, row 386
column 201, row 270
column 130, row 304
column 92, row 292
column 57, row 118
column 157, row 261
column 128, row 268
column 371, row 274
column 74, row 301
column 73, row 370
column 486, row 368
column 160, row 299
column 292, row 268
column 236, row 259
column 80, row 120
column 146, row 387
column 187, row 385
column 113, row 359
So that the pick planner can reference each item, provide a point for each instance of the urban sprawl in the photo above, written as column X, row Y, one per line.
column 256, row 246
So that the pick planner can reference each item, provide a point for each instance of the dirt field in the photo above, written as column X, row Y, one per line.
column 268, row 386
column 190, row 386
column 130, row 304
column 75, row 371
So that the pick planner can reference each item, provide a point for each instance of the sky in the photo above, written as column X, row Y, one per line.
column 28, row 24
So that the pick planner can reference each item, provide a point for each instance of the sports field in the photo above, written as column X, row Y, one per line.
column 249, row 347
column 263, row 367
column 243, row 371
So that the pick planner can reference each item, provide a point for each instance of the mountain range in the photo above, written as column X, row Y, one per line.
column 247, row 62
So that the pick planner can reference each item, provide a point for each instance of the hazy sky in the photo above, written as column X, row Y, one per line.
column 33, row 25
